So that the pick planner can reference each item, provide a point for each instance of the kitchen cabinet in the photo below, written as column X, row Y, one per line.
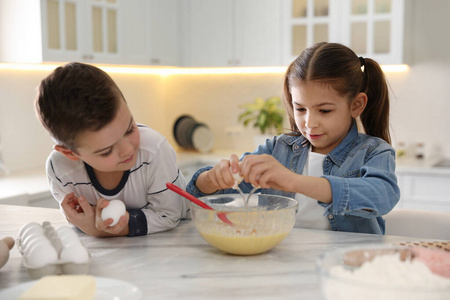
column 220, row 33
column 427, row 190
column 61, row 30
column 307, row 22
column 151, row 34
column 92, row 31
column 372, row 28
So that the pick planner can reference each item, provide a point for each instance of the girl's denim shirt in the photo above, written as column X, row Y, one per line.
column 361, row 172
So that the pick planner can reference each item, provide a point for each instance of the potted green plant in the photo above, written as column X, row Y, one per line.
column 264, row 114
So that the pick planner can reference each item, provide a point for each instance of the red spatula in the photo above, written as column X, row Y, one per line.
column 220, row 215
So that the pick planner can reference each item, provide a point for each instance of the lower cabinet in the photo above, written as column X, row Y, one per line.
column 427, row 191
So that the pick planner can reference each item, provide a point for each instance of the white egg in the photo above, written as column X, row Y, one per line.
column 114, row 210
column 41, row 255
column 75, row 253
column 33, row 244
column 67, row 240
column 32, row 237
column 67, row 235
column 32, row 226
column 66, row 230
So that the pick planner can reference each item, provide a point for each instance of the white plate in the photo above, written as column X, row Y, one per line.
column 107, row 289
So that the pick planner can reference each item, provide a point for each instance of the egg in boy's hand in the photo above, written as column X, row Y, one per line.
column 114, row 210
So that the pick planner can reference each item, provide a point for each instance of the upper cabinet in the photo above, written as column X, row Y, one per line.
column 62, row 30
column 307, row 22
column 375, row 29
column 93, row 31
column 151, row 32
column 196, row 33
column 219, row 33
column 372, row 28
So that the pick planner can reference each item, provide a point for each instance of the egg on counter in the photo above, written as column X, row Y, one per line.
column 75, row 253
column 66, row 231
column 50, row 251
column 31, row 238
column 41, row 255
column 68, row 239
column 33, row 244
column 29, row 228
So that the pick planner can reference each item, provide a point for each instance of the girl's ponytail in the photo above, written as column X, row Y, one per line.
column 375, row 117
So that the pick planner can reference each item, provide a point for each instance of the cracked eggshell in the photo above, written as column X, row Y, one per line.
column 237, row 179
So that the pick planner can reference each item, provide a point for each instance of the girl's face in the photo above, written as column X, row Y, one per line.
column 321, row 114
column 114, row 147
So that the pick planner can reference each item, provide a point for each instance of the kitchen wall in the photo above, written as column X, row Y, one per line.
column 419, row 110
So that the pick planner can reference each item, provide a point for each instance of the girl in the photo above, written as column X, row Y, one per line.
column 343, row 179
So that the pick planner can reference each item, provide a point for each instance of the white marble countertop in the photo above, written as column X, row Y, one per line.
column 180, row 264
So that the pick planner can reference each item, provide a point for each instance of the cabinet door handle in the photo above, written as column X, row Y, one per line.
column 155, row 61
column 88, row 57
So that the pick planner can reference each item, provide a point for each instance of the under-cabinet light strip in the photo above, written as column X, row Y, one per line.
column 167, row 71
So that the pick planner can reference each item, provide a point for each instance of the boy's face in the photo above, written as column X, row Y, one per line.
column 112, row 148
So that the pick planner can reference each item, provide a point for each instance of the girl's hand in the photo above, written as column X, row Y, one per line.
column 219, row 177
column 121, row 228
column 265, row 171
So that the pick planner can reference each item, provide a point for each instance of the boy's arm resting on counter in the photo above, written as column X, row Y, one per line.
column 165, row 208
column 372, row 193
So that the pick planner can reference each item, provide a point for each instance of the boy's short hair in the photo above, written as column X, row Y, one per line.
column 75, row 98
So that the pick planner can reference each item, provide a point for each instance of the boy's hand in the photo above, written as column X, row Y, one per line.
column 121, row 228
column 219, row 177
column 81, row 214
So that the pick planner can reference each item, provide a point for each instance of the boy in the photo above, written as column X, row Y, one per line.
column 103, row 154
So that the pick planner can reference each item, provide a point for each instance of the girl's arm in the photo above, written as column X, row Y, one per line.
column 372, row 190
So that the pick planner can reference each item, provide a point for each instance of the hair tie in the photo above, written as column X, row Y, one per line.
column 362, row 60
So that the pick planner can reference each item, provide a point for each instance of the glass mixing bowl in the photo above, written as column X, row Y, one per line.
column 265, row 222
column 353, row 273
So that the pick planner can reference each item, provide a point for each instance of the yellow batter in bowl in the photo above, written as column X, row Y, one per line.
column 262, row 225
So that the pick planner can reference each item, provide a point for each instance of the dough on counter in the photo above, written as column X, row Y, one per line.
column 63, row 287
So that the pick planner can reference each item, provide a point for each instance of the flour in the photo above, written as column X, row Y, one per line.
column 386, row 277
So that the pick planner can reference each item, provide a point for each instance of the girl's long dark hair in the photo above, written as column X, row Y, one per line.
column 339, row 66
